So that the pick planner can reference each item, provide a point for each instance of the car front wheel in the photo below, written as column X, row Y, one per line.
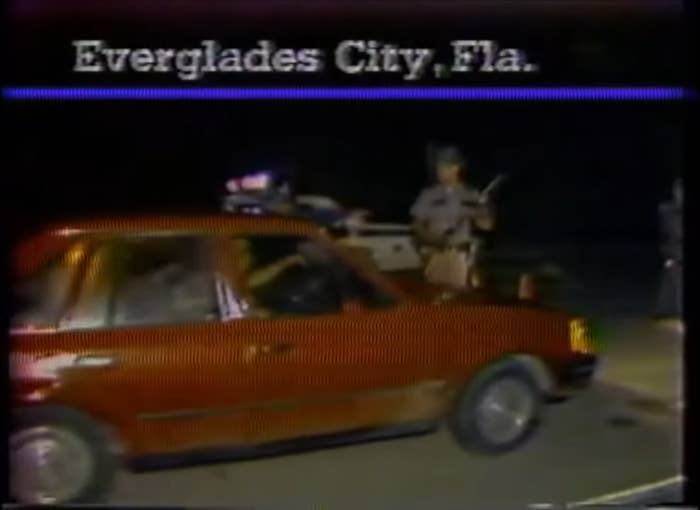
column 498, row 412
column 58, row 456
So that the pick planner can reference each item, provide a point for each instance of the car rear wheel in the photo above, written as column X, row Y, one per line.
column 498, row 412
column 58, row 456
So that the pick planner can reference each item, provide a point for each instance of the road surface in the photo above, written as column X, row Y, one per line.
column 599, row 443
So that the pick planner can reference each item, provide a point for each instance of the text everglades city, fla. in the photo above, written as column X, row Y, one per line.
column 352, row 57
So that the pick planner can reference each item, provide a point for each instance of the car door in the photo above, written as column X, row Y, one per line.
column 157, row 358
column 358, row 360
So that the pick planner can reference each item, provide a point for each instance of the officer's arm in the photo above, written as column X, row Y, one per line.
column 480, row 212
column 419, row 209
column 265, row 275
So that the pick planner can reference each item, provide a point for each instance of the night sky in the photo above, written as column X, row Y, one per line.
column 577, row 171
column 594, row 171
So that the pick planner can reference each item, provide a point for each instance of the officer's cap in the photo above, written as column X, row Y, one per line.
column 449, row 155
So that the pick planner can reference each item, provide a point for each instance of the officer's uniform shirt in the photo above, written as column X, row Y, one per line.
column 447, row 211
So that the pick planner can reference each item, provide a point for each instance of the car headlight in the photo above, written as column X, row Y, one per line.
column 579, row 337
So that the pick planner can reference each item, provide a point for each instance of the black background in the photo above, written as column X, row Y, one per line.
column 585, row 170
column 593, row 171
column 594, row 42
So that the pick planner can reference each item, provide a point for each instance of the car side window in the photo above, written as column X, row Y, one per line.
column 147, row 282
column 285, row 276
column 357, row 288
column 40, row 298
column 292, row 275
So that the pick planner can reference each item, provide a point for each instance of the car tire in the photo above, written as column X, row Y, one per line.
column 59, row 435
column 483, row 424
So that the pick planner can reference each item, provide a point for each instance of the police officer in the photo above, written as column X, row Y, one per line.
column 445, row 214
column 670, row 300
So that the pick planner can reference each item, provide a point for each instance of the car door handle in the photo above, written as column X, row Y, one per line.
column 96, row 361
column 280, row 348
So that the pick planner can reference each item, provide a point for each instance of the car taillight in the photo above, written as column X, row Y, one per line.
column 579, row 337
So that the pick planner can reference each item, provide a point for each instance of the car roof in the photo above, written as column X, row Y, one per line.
column 194, row 223
column 53, row 238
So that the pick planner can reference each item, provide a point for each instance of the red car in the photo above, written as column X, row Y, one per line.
column 139, row 337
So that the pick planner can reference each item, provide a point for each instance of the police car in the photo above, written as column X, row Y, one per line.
column 390, row 246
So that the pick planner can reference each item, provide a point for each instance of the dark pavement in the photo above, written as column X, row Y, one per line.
column 597, row 444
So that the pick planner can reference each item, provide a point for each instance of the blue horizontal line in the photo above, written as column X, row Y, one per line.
column 349, row 93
